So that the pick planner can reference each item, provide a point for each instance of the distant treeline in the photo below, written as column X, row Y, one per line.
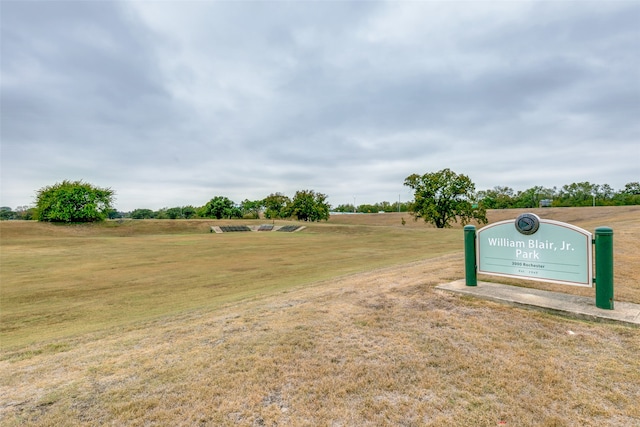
column 576, row 194
column 374, row 208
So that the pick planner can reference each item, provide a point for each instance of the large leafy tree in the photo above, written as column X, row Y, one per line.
column 220, row 207
column 307, row 205
column 444, row 196
column 274, row 205
column 75, row 201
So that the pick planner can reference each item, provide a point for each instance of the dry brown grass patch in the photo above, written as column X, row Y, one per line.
column 380, row 347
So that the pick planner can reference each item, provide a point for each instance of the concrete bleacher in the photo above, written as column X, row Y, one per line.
column 288, row 228
column 234, row 228
column 263, row 227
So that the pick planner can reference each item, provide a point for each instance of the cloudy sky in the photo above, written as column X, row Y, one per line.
column 171, row 103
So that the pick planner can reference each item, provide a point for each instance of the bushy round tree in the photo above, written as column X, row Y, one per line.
column 307, row 205
column 75, row 201
column 220, row 207
column 274, row 206
column 444, row 196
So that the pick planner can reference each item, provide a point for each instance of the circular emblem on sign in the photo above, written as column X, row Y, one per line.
column 527, row 223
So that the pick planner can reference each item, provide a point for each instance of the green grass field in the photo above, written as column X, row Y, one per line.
column 163, row 323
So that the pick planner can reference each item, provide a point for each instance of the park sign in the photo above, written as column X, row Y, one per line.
column 536, row 249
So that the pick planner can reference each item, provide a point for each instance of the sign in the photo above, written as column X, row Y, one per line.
column 536, row 249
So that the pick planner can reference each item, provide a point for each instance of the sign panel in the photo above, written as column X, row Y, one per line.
column 536, row 249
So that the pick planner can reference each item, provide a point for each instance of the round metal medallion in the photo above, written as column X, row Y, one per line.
column 527, row 223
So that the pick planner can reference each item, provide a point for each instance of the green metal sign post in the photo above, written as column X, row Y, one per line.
column 471, row 277
column 604, row 268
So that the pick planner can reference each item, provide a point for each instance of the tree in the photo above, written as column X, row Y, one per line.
column 174, row 213
column 188, row 212
column 220, row 207
column 444, row 196
column 274, row 205
column 25, row 213
column 251, row 208
column 307, row 205
column 345, row 208
column 578, row 194
column 630, row 195
column 142, row 214
column 366, row 208
column 632, row 188
column 606, row 194
column 530, row 198
column 6, row 213
column 75, row 201
column 497, row 198
column 114, row 214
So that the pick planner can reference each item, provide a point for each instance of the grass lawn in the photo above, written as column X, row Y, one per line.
column 164, row 323
column 70, row 280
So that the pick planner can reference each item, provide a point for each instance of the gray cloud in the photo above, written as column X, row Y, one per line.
column 172, row 103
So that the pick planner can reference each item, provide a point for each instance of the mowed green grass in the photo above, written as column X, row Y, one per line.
column 62, row 281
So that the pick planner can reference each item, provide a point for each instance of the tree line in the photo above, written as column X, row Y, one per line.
column 575, row 194
column 378, row 207
column 306, row 205
column 439, row 197
column 77, row 201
